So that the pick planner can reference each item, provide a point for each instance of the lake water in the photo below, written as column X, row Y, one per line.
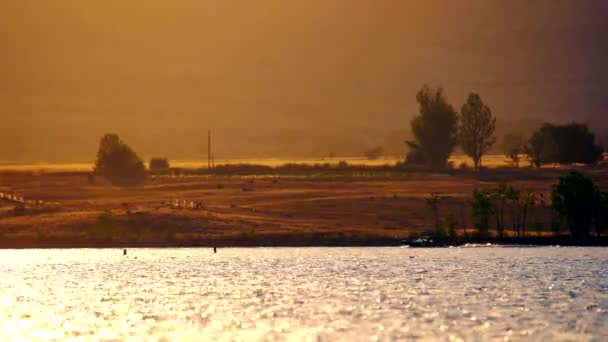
column 302, row 294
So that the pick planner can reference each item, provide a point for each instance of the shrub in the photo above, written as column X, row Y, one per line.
column 159, row 164
column 342, row 164
column 118, row 162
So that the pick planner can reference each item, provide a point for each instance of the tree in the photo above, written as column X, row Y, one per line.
column 564, row 144
column 433, row 205
column 541, row 147
column 575, row 144
column 434, row 128
column 601, row 218
column 513, row 146
column 476, row 130
column 451, row 223
column 482, row 210
column 578, row 200
column 527, row 203
column 513, row 198
column 498, row 197
column 118, row 162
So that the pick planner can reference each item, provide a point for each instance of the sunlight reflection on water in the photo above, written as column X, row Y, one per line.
column 305, row 294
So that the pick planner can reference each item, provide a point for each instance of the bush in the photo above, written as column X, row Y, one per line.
column 578, row 200
column 118, row 162
column 159, row 164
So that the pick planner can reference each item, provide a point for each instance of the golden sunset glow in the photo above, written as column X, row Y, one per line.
column 283, row 78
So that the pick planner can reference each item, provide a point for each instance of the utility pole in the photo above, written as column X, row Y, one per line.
column 209, row 149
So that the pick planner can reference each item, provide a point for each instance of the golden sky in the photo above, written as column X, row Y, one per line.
column 284, row 78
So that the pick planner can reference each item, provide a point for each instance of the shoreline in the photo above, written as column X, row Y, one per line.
column 296, row 241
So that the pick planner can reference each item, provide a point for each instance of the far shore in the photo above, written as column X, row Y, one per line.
column 254, row 206
column 294, row 241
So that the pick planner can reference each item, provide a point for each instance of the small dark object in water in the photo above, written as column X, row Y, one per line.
column 214, row 250
column 124, row 252
column 427, row 242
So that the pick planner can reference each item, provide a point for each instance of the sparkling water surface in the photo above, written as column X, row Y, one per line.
column 305, row 294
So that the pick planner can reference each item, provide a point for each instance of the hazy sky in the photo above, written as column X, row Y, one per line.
column 284, row 78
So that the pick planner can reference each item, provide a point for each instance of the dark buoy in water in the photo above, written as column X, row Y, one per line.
column 214, row 250
column 124, row 252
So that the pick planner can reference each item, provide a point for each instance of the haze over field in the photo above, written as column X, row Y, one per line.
column 284, row 78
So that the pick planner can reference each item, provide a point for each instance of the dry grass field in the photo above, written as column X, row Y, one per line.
column 206, row 210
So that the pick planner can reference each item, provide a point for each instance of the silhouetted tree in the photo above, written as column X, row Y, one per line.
column 527, row 203
column 476, row 130
column 451, row 224
column 578, row 201
column 538, row 227
column 565, row 144
column 575, row 144
column 482, row 210
column 118, row 162
column 159, row 164
column 434, row 129
column 512, row 197
column 513, row 146
column 601, row 219
column 498, row 197
column 541, row 147
column 433, row 205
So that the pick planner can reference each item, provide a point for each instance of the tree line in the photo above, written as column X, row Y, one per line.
column 576, row 203
column 438, row 129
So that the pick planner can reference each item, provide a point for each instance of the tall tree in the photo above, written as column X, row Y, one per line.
column 476, row 130
column 541, row 147
column 434, row 128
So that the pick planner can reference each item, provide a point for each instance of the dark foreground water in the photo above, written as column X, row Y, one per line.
column 302, row 294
